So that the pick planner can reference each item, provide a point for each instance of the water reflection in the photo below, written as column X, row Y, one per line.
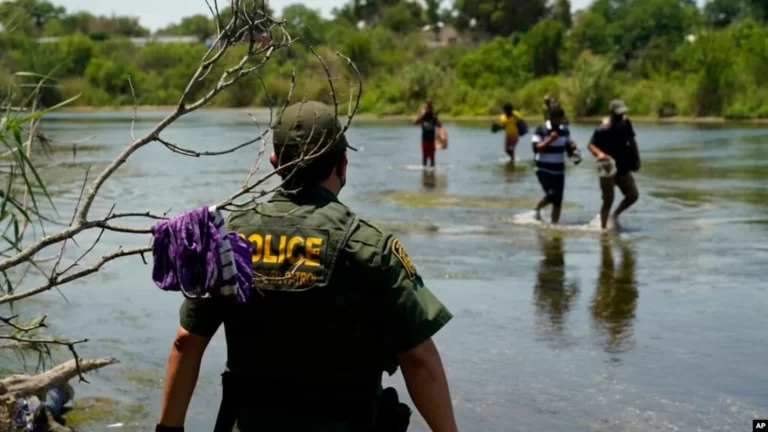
column 510, row 172
column 430, row 180
column 553, row 297
column 615, row 301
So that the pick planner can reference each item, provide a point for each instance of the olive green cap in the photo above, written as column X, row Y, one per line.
column 307, row 125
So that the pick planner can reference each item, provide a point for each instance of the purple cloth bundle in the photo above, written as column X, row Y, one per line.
column 195, row 254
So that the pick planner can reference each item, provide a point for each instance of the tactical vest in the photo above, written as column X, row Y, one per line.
column 311, row 314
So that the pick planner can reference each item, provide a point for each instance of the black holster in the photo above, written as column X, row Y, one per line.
column 391, row 414
column 387, row 414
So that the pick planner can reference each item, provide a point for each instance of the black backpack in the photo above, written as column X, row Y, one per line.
column 522, row 127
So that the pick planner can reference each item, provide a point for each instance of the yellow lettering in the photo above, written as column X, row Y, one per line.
column 268, row 257
column 281, row 250
column 290, row 252
column 313, row 251
column 258, row 244
column 281, row 278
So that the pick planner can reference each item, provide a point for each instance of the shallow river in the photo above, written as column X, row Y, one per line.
column 661, row 328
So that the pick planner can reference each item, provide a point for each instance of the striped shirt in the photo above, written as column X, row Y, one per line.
column 551, row 159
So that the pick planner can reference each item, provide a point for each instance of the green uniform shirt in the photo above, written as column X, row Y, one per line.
column 409, row 312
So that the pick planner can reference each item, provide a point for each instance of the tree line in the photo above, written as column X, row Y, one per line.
column 663, row 57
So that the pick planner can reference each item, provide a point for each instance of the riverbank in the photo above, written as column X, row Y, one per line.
column 534, row 119
column 460, row 118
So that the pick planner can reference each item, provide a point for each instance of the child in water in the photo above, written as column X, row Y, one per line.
column 427, row 119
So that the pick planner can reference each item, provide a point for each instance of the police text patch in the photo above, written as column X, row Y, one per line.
column 285, row 258
column 402, row 255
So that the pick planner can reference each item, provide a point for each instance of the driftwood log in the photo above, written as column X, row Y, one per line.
column 16, row 386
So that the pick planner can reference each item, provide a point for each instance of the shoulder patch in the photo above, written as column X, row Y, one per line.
column 402, row 255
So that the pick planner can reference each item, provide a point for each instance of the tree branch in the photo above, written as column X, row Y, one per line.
column 85, row 272
column 41, row 383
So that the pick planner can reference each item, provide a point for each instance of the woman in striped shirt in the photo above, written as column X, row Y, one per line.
column 551, row 145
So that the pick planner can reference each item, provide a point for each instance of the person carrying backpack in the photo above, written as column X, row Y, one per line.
column 513, row 125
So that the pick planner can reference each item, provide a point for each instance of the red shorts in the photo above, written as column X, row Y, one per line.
column 428, row 149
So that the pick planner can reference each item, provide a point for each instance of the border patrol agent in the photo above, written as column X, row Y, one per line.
column 339, row 302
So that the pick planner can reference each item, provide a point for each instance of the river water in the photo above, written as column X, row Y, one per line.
column 660, row 328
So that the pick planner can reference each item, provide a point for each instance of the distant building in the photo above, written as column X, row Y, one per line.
column 261, row 39
column 48, row 39
column 448, row 35
column 143, row 41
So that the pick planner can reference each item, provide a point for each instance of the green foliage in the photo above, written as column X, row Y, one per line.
column 561, row 11
column 663, row 57
column 433, row 11
column 545, row 43
column 529, row 98
column 305, row 24
column 500, row 17
column 496, row 64
column 589, row 86
column 359, row 48
column 29, row 16
column 403, row 18
column 108, row 76
column 21, row 177
column 644, row 21
column 589, row 33
column 197, row 25
column 710, row 62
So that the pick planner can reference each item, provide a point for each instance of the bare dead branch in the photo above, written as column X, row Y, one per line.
column 9, row 322
column 186, row 152
column 135, row 110
column 83, row 255
column 32, row 133
column 85, row 272
column 49, row 341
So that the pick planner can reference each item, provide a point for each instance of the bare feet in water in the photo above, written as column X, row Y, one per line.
column 613, row 223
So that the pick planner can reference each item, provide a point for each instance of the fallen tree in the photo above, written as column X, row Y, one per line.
column 244, row 45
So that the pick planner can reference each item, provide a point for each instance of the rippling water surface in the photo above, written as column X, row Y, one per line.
column 661, row 328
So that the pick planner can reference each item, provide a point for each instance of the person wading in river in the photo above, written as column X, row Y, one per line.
column 613, row 144
column 510, row 121
column 551, row 143
column 427, row 119
column 339, row 302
